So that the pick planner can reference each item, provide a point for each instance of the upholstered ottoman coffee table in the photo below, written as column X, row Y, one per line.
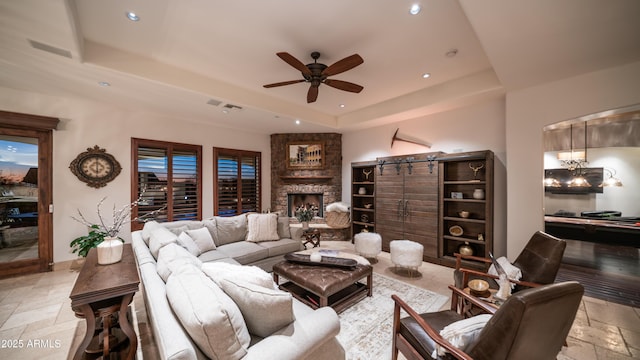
column 319, row 285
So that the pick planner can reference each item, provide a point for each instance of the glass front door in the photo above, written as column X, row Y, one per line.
column 18, row 198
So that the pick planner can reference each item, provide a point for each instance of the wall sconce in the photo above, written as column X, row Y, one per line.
column 611, row 180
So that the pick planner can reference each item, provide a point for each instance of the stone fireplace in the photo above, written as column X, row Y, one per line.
column 325, row 184
column 297, row 201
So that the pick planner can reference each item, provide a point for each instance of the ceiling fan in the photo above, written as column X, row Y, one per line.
column 317, row 73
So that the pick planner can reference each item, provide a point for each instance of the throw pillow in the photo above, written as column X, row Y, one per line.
column 219, row 271
column 172, row 258
column 231, row 229
column 187, row 242
column 284, row 230
column 159, row 238
column 212, row 320
column 210, row 224
column 148, row 228
column 463, row 333
column 264, row 310
column 202, row 238
column 262, row 227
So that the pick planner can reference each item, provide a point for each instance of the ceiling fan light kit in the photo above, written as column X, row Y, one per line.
column 317, row 73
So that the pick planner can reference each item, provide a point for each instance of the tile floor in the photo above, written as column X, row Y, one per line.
column 36, row 321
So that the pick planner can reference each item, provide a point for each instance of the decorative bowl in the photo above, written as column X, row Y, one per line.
column 456, row 230
column 478, row 286
column 368, row 206
column 464, row 214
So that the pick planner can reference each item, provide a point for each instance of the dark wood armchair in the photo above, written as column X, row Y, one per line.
column 531, row 324
column 539, row 262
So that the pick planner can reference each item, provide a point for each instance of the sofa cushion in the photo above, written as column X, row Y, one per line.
column 265, row 310
column 244, row 252
column 281, row 247
column 262, row 227
column 209, row 316
column 210, row 224
column 202, row 238
column 160, row 237
column 187, row 242
column 284, row 230
column 231, row 229
column 215, row 255
column 172, row 257
column 177, row 227
column 148, row 228
column 219, row 271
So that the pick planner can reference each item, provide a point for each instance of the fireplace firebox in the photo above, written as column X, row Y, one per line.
column 311, row 201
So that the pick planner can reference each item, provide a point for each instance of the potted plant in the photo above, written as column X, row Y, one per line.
column 304, row 215
column 104, row 235
column 83, row 244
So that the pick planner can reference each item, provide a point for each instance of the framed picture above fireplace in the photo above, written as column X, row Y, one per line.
column 305, row 155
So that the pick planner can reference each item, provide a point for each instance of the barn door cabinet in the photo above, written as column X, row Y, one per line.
column 406, row 201
column 465, row 205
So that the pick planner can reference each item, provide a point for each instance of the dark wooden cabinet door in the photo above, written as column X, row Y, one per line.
column 389, row 202
column 421, row 208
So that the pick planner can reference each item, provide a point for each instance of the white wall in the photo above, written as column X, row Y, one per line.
column 472, row 128
column 527, row 112
column 85, row 124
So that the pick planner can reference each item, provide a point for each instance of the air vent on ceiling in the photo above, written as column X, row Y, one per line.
column 214, row 102
column 232, row 107
column 50, row 49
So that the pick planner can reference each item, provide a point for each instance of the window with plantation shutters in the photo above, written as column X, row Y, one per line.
column 237, row 182
column 168, row 178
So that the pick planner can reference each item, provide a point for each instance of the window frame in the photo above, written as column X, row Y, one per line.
column 238, row 153
column 170, row 147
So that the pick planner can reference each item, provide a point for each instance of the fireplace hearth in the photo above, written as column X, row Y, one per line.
column 312, row 201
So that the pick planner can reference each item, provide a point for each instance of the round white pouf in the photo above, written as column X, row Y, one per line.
column 406, row 254
column 368, row 245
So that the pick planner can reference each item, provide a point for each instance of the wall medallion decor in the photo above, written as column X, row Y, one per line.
column 95, row 167
column 305, row 155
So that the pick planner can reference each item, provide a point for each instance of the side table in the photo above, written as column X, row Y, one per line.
column 311, row 236
column 101, row 295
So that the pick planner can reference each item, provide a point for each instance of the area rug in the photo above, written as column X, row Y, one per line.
column 365, row 328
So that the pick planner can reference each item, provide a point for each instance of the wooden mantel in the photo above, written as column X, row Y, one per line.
column 306, row 178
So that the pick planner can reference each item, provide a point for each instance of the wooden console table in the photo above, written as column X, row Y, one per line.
column 101, row 295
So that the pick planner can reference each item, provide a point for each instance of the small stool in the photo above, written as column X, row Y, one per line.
column 368, row 245
column 406, row 255
column 311, row 236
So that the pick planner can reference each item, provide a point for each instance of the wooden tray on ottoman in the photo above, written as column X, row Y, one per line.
column 326, row 261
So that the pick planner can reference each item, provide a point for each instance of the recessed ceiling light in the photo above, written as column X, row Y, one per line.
column 104, row 83
column 426, row 75
column 132, row 16
column 415, row 9
column 225, row 111
column 342, row 105
column 297, row 122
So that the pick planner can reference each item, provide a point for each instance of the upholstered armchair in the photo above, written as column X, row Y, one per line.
column 539, row 263
column 531, row 324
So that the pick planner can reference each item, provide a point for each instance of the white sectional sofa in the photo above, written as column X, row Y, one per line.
column 217, row 300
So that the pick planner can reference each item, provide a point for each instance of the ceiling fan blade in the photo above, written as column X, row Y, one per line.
column 284, row 83
column 343, row 65
column 312, row 95
column 289, row 59
column 344, row 85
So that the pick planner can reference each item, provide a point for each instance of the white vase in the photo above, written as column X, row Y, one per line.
column 110, row 251
column 362, row 191
column 305, row 225
column 478, row 194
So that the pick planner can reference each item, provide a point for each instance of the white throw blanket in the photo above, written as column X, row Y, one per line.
column 513, row 272
column 462, row 333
